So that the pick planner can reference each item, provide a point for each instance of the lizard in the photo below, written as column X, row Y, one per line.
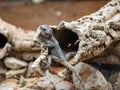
column 56, row 53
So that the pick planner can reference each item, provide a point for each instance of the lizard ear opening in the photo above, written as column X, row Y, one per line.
column 3, row 40
column 67, row 40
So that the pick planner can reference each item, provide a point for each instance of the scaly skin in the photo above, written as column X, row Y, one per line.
column 56, row 53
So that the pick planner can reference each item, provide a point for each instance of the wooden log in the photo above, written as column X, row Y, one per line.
column 95, row 32
column 21, row 41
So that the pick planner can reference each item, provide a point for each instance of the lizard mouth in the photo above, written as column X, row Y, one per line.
column 67, row 39
column 3, row 40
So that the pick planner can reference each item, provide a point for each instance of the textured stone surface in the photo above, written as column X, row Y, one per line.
column 29, row 70
column 14, row 63
column 8, row 86
column 26, row 89
column 64, row 85
column 15, row 73
column 92, row 78
column 115, row 80
column 31, row 83
column 46, row 85
column 51, row 77
column 10, row 80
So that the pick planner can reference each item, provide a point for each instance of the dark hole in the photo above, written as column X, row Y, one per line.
column 67, row 40
column 3, row 40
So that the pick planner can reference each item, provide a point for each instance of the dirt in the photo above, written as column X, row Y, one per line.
column 31, row 16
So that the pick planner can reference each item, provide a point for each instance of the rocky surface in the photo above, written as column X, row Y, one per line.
column 93, row 79
column 45, row 85
column 8, row 86
column 115, row 80
column 15, row 73
column 30, row 72
column 64, row 85
column 13, row 63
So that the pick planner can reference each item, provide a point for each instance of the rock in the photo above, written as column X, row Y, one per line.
column 112, row 59
column 29, row 70
column 30, row 56
column 64, row 85
column 8, row 86
column 21, row 81
column 92, row 78
column 14, row 63
column 11, row 80
column 115, row 80
column 31, row 83
column 26, row 89
column 46, row 85
column 51, row 77
column 60, row 71
column 3, row 70
column 53, row 82
column 15, row 73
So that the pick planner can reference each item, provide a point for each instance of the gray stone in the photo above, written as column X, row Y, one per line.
column 26, row 89
column 15, row 73
column 14, row 63
column 92, row 78
column 8, row 86
column 31, row 83
column 115, row 80
column 64, row 85
column 46, row 85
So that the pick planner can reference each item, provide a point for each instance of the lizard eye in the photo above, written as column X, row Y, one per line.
column 43, row 29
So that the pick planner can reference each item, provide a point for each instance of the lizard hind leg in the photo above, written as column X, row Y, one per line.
column 71, row 68
column 49, row 62
column 81, row 83
column 54, row 58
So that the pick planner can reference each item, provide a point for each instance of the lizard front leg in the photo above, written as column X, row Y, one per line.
column 69, row 54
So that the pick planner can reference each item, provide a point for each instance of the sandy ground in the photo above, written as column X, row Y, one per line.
column 31, row 16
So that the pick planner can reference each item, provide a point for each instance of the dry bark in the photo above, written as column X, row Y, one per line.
column 96, row 32
column 19, row 41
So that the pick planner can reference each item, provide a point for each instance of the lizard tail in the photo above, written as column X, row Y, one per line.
column 70, row 67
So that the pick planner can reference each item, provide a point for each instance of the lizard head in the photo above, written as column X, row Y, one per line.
column 46, row 31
